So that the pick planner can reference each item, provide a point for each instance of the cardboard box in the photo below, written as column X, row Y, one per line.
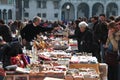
column 69, row 78
column 50, row 78
column 35, row 77
column 78, row 78
column 9, row 77
column 78, row 65
column 50, row 74
column 59, row 75
column 91, row 79
column 21, row 77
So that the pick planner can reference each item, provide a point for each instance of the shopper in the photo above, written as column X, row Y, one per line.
column 117, row 20
column 95, row 21
column 5, row 32
column 100, row 34
column 111, row 53
column 84, row 37
column 30, row 31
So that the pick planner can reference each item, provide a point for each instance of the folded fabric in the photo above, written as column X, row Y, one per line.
column 19, row 60
column 44, row 58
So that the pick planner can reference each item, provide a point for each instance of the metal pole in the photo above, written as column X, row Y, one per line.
column 68, row 15
column 6, row 16
column 68, row 10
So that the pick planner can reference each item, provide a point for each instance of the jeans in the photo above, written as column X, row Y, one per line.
column 102, row 52
column 1, row 77
column 113, row 72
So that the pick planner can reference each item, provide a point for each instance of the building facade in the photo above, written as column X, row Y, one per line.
column 70, row 9
column 7, row 10
column 57, row 9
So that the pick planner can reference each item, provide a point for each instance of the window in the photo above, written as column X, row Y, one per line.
column 26, row 3
column 38, row 4
column 10, row 1
column 43, row 4
column 10, row 14
column 17, row 3
column 39, row 14
column 26, row 14
column 56, row 4
column 44, row 15
column 4, row 14
column 56, row 15
column 3, row 1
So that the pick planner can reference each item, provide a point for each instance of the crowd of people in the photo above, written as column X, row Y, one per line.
column 97, row 35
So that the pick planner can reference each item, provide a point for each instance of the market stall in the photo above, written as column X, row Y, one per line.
column 53, row 58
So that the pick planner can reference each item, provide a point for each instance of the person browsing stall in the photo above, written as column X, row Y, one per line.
column 30, row 31
column 84, row 37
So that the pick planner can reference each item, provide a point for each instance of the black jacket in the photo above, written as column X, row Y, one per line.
column 5, row 32
column 84, row 39
column 100, row 32
column 29, row 32
column 9, row 50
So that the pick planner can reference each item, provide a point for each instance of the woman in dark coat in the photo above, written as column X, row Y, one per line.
column 85, row 40
column 84, row 37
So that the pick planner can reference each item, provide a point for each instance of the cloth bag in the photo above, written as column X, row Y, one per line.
column 111, row 56
column 2, row 72
column 119, row 50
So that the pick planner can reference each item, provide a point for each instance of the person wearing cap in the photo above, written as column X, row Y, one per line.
column 84, row 38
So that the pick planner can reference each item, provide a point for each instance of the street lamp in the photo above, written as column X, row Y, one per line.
column 68, row 10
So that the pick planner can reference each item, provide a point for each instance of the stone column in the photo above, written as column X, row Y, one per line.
column 90, row 11
column 118, row 9
column 6, row 16
column 75, row 7
column 59, row 12
column 14, row 10
column 105, row 7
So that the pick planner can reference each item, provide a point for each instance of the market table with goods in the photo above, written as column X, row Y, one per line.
column 56, row 59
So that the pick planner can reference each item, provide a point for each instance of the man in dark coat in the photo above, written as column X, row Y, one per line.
column 96, row 50
column 30, row 31
column 100, row 31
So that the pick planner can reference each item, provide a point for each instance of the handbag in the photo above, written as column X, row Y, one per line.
column 111, row 56
column 2, row 72
column 119, row 50
column 19, row 60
